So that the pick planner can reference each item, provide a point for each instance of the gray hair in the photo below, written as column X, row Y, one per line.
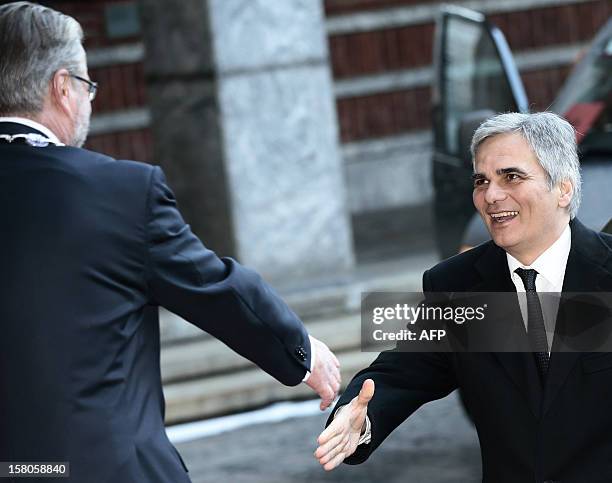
column 551, row 138
column 36, row 42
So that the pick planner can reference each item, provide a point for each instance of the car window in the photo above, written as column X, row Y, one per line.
column 586, row 98
column 475, row 71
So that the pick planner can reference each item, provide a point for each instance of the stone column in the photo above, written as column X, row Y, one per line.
column 245, row 128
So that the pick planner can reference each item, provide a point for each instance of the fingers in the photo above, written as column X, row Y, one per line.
column 336, row 427
column 325, row 386
column 335, row 462
column 325, row 379
column 327, row 394
column 333, row 452
column 335, row 441
column 331, row 447
column 334, row 379
column 366, row 393
column 332, row 370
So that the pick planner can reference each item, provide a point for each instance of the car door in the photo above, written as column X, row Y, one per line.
column 475, row 77
column 585, row 100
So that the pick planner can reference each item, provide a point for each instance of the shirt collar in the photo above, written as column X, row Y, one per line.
column 34, row 125
column 552, row 263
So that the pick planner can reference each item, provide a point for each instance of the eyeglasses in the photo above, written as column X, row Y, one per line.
column 92, row 86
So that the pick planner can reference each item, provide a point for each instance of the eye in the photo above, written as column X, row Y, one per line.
column 513, row 177
column 480, row 182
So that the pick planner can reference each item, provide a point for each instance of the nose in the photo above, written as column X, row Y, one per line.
column 494, row 193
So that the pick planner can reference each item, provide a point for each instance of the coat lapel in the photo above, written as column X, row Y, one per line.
column 519, row 366
column 585, row 272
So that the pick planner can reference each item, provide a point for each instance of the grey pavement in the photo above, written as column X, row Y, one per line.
column 435, row 445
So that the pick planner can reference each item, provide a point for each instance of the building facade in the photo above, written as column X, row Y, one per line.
column 380, row 57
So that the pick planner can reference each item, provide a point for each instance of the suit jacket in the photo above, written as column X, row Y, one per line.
column 559, row 432
column 90, row 248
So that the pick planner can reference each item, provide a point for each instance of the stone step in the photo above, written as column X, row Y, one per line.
column 222, row 394
column 204, row 356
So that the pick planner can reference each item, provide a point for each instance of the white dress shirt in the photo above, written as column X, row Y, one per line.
column 35, row 125
column 312, row 359
column 550, row 266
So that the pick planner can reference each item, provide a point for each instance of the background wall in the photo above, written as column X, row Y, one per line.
column 380, row 53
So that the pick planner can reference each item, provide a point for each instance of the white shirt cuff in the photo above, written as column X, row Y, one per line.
column 313, row 354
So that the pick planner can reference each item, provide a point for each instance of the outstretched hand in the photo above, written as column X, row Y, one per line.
column 325, row 376
column 340, row 438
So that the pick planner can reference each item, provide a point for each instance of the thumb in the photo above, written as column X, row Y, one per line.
column 366, row 393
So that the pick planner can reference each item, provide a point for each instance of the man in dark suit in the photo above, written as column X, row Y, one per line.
column 90, row 248
column 540, row 416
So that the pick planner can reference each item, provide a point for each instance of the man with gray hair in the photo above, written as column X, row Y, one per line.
column 541, row 416
column 91, row 247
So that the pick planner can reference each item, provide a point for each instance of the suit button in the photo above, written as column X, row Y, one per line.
column 300, row 353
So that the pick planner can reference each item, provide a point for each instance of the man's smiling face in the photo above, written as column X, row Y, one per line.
column 512, row 195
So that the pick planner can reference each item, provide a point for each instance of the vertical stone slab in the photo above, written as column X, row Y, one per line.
column 182, row 93
column 247, row 131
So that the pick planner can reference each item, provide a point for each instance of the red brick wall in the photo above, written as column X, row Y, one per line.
column 376, row 52
column 90, row 14
column 120, row 87
column 354, row 54
column 394, row 113
column 380, row 115
column 338, row 7
column 135, row 144
column 554, row 25
column 381, row 50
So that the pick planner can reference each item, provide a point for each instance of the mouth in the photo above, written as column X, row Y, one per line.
column 502, row 217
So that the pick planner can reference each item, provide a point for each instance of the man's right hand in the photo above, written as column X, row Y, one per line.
column 325, row 377
column 340, row 438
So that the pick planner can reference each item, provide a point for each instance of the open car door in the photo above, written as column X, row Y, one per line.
column 475, row 77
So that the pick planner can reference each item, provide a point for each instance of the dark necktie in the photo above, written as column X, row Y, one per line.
column 536, row 331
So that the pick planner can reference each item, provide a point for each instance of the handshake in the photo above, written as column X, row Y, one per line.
column 341, row 438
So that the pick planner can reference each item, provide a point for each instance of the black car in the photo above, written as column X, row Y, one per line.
column 476, row 77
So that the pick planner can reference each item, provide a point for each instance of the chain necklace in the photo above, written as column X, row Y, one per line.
column 31, row 139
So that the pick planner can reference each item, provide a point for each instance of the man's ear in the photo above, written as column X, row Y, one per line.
column 566, row 193
column 61, row 90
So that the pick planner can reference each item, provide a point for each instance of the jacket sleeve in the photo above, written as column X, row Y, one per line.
column 219, row 295
column 404, row 381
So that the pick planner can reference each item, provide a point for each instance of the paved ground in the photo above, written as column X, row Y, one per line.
column 436, row 445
